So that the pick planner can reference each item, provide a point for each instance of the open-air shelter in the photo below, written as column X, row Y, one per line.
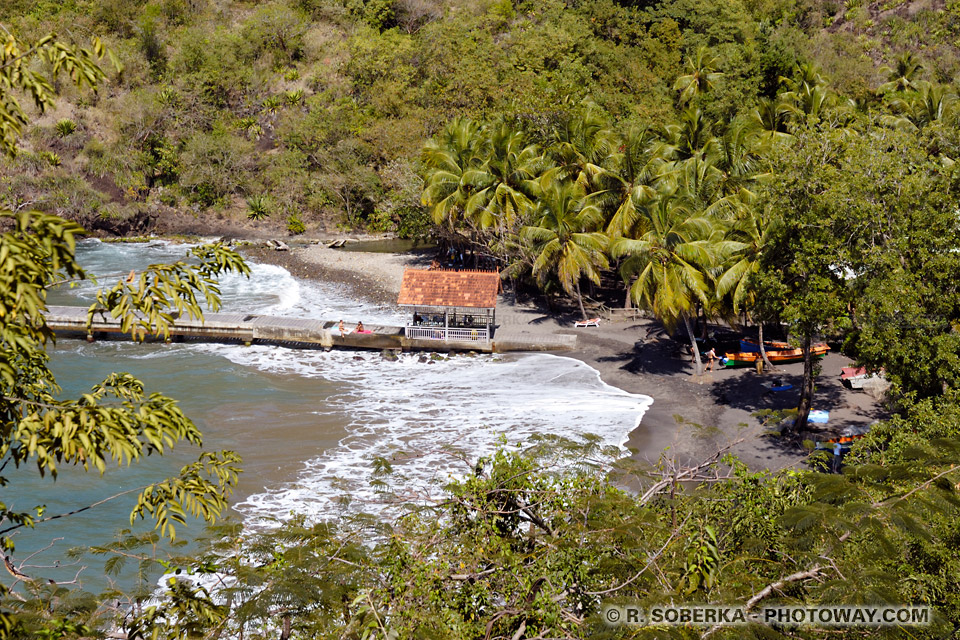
column 446, row 305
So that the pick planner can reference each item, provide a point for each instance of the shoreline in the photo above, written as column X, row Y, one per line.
column 689, row 419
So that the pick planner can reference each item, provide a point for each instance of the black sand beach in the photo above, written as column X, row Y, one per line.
column 691, row 416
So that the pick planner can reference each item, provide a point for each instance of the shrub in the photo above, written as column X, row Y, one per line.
column 295, row 224
column 277, row 30
column 215, row 165
column 259, row 207
column 152, row 46
column 250, row 126
column 70, row 197
column 168, row 97
column 65, row 127
column 272, row 104
column 51, row 158
column 293, row 97
column 414, row 222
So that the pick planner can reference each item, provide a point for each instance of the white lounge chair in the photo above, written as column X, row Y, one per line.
column 592, row 322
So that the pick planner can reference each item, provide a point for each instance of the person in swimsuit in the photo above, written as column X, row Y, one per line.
column 341, row 328
column 711, row 358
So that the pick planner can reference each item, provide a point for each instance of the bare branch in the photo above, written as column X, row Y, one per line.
column 813, row 572
column 685, row 475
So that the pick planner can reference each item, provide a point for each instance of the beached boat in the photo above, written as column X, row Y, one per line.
column 859, row 377
column 748, row 345
column 777, row 352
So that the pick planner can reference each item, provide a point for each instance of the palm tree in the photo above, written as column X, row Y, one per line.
column 699, row 181
column 809, row 101
column 752, row 232
column 903, row 76
column 918, row 109
column 806, row 76
column 505, row 182
column 807, row 92
column 739, row 158
column 691, row 136
column 626, row 182
column 670, row 258
column 701, row 74
column 626, row 177
column 449, row 155
column 581, row 142
column 771, row 117
column 565, row 240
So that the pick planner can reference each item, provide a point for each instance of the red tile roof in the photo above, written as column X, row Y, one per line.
column 437, row 288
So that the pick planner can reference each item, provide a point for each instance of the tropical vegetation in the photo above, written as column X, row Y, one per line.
column 732, row 161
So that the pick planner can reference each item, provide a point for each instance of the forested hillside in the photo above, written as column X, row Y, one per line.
column 786, row 162
column 310, row 114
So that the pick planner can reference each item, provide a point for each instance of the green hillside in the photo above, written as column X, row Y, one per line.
column 789, row 166
column 311, row 114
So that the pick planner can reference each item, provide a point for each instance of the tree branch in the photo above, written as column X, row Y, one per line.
column 75, row 511
column 652, row 559
column 813, row 572
column 920, row 487
column 687, row 474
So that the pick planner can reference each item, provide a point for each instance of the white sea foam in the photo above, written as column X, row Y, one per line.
column 411, row 411
column 270, row 289
column 408, row 410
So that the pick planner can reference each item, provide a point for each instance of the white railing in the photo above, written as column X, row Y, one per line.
column 452, row 334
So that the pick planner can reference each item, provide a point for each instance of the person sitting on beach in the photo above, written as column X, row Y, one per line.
column 340, row 326
column 360, row 328
column 711, row 358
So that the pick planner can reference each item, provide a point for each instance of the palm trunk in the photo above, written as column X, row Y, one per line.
column 806, row 389
column 763, row 350
column 693, row 344
column 583, row 311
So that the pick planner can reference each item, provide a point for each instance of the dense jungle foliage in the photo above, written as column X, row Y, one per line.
column 785, row 160
column 315, row 111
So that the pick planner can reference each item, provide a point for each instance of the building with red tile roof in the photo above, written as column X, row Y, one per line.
column 439, row 288
column 450, row 305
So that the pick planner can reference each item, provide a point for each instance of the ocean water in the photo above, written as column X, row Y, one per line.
column 309, row 424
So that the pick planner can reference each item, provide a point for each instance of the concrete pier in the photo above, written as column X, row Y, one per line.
column 298, row 333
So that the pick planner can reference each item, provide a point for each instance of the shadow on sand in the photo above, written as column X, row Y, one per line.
column 654, row 353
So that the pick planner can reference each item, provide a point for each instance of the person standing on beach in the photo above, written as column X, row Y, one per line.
column 711, row 358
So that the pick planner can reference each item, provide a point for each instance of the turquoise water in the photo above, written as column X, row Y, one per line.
column 307, row 423
column 233, row 408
